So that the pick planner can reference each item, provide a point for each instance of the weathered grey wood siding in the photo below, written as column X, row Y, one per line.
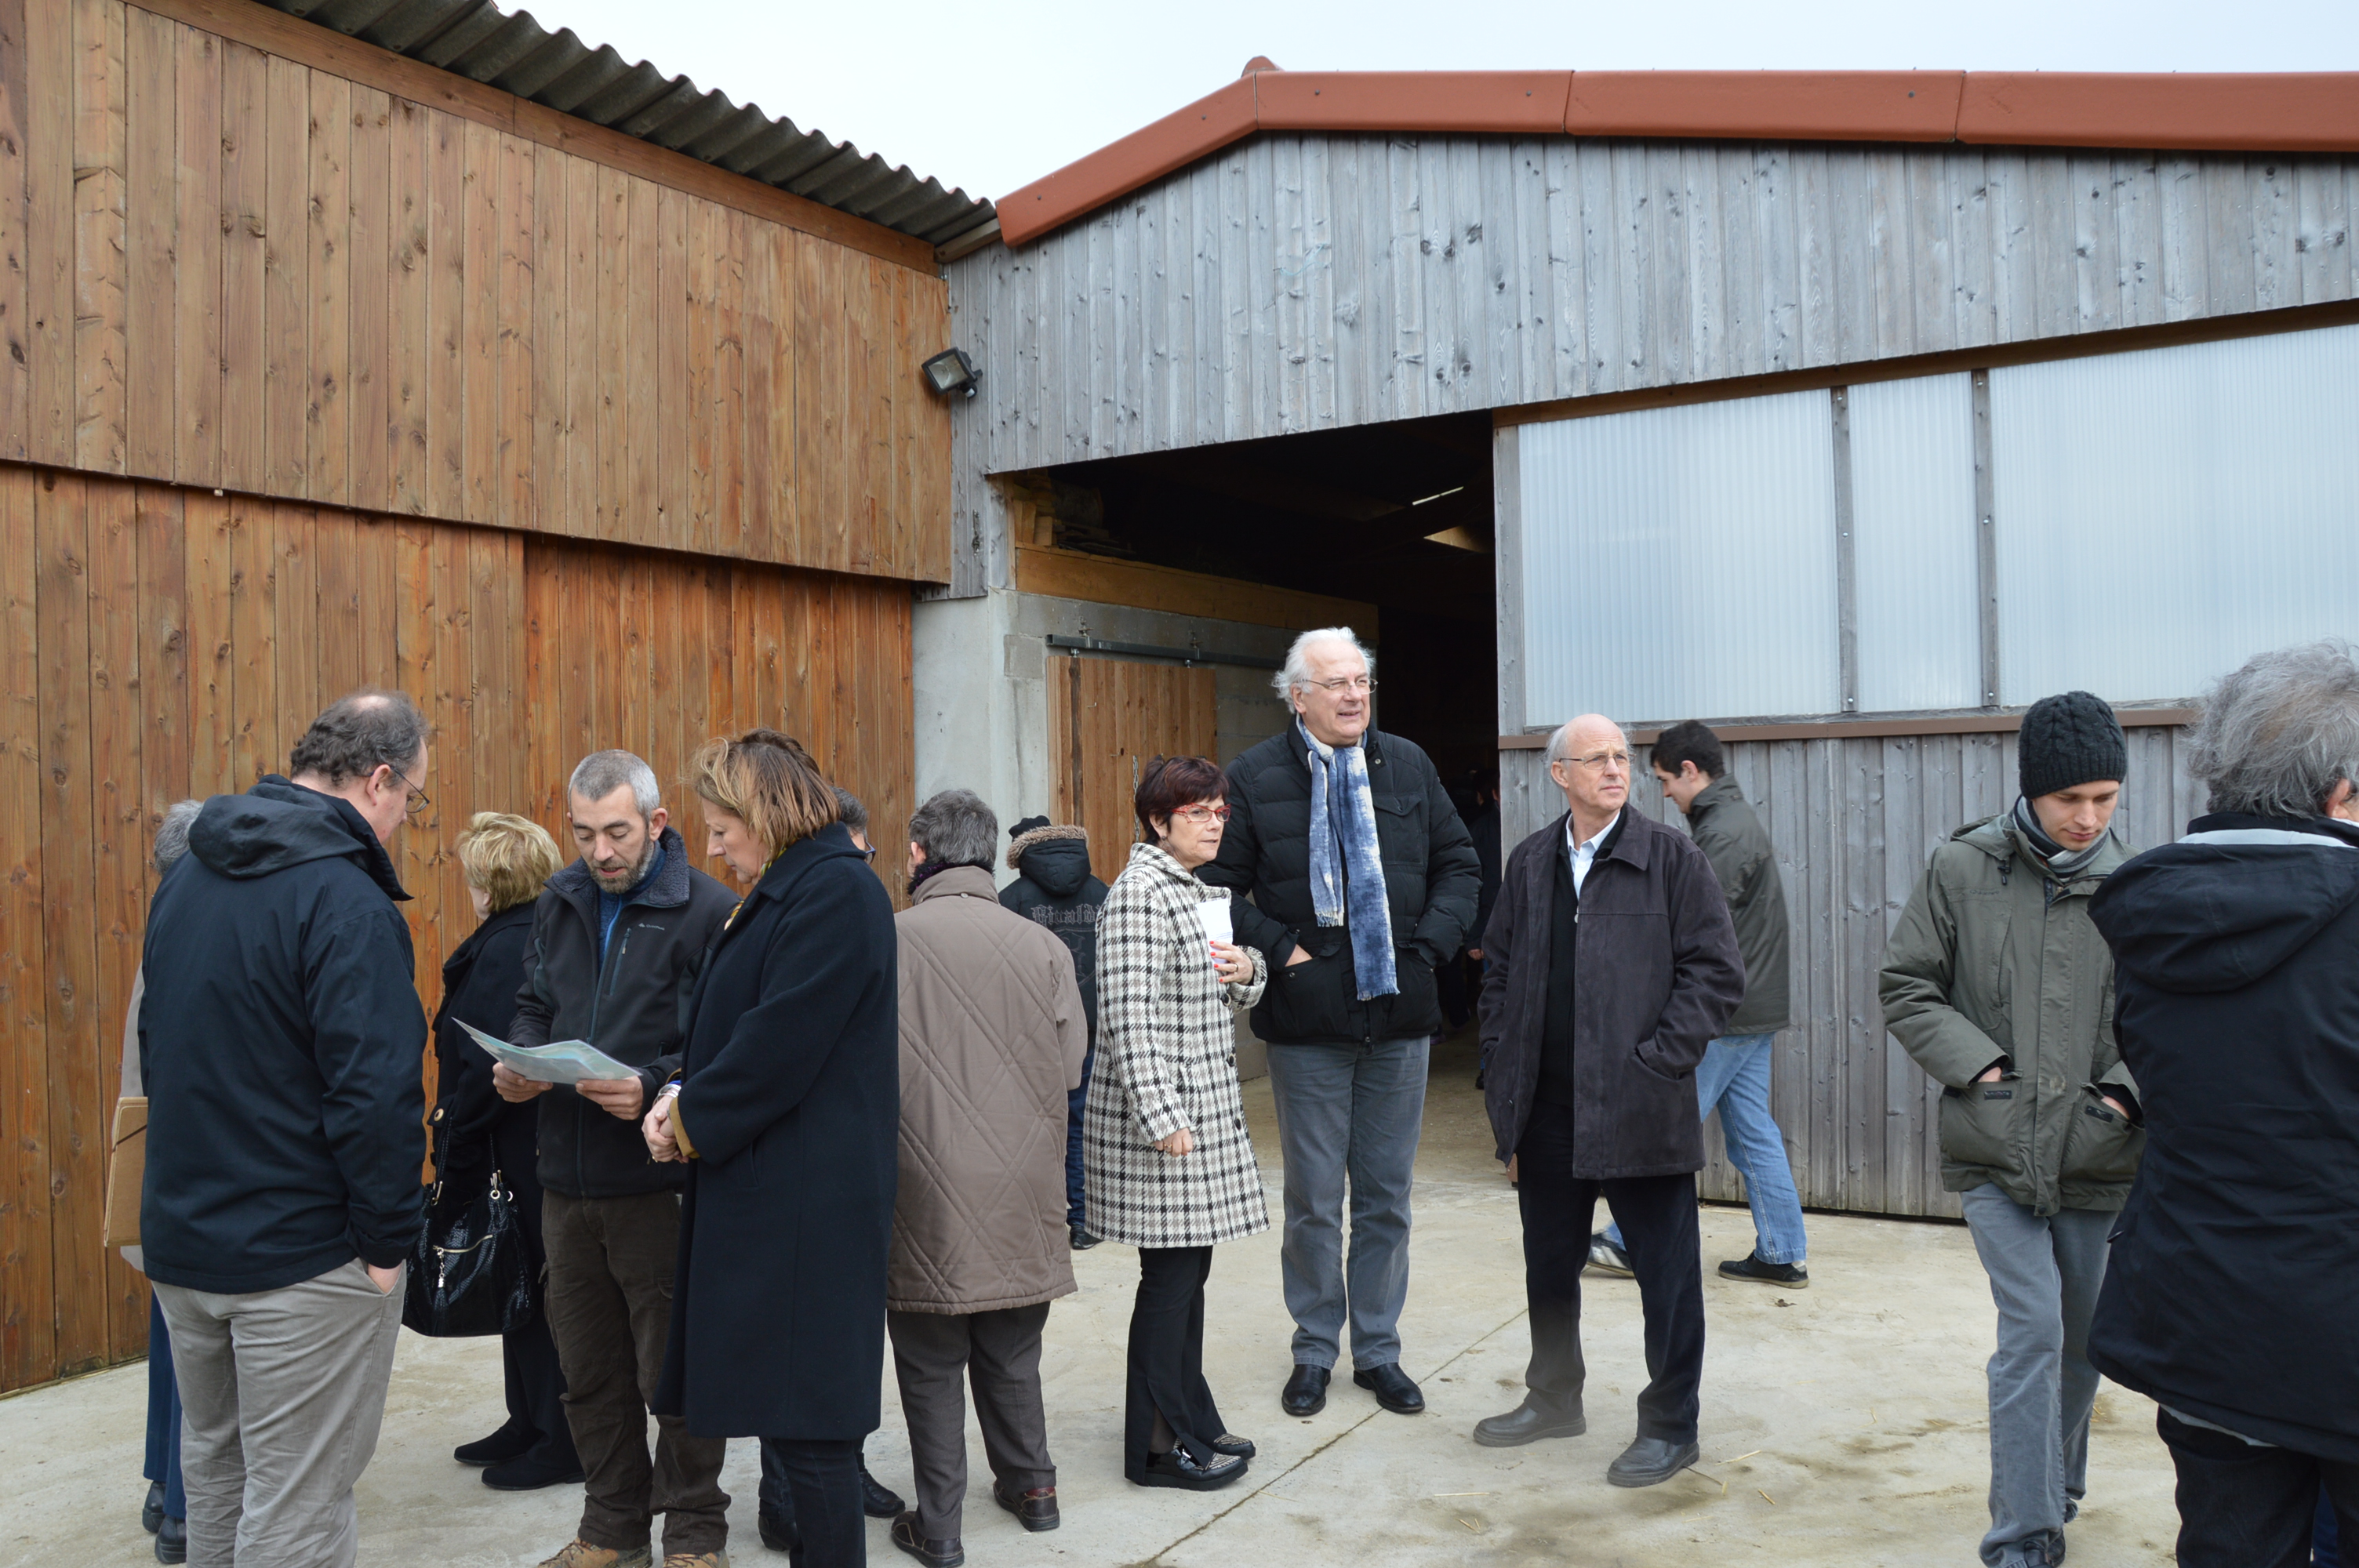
column 1854, row 821
column 1301, row 281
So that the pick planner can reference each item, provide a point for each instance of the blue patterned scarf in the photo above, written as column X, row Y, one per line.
column 1347, row 872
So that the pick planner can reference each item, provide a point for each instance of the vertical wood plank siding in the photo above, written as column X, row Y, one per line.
column 1299, row 282
column 1854, row 821
column 136, row 618
column 232, row 270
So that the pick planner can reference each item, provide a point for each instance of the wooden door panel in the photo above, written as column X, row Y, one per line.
column 1107, row 718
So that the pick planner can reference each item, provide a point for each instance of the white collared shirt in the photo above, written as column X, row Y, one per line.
column 1583, row 854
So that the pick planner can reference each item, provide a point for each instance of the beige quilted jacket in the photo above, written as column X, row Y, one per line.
column 992, row 1039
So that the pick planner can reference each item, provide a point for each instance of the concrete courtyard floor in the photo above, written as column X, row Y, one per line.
column 1843, row 1425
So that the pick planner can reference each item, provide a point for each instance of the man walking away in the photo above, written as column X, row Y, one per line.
column 992, row 1041
column 617, row 939
column 280, row 1039
column 1610, row 929
column 1054, row 888
column 1733, row 1076
column 1999, row 986
column 1363, row 882
column 2228, row 1300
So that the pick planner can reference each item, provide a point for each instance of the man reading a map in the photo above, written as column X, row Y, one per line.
column 616, row 940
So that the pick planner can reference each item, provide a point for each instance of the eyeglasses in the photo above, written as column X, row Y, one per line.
column 1199, row 814
column 1601, row 760
column 869, row 853
column 418, row 801
column 1358, row 684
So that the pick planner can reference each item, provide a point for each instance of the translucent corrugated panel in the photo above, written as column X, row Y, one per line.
column 2164, row 515
column 1912, row 496
column 1678, row 563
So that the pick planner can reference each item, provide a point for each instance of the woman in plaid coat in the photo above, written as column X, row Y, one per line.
column 1167, row 1164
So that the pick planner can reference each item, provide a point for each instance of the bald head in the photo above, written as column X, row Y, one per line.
column 1589, row 760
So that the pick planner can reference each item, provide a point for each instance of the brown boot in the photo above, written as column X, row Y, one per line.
column 696, row 1560
column 580, row 1553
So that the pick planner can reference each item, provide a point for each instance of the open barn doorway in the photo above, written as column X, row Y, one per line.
column 1397, row 515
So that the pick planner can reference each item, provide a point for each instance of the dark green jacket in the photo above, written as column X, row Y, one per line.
column 1733, row 840
column 1992, row 964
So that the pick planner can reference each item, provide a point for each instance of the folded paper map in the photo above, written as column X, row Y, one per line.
column 559, row 1062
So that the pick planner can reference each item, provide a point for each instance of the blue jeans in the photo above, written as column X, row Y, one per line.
column 163, row 1415
column 1733, row 1078
column 1347, row 1113
column 1075, row 1215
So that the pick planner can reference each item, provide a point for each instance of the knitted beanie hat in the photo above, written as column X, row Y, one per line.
column 2067, row 740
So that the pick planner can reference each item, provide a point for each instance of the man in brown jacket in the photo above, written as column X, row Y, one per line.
column 993, row 1036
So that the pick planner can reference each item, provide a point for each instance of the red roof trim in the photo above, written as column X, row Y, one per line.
column 2289, row 111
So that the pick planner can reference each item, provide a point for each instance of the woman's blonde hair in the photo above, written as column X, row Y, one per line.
column 767, row 781
column 507, row 857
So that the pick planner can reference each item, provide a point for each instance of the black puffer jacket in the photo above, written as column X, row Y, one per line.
column 634, row 1009
column 1432, row 882
column 278, row 1043
column 2229, row 1293
column 1054, row 888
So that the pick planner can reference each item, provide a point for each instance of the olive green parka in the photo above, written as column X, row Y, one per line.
column 1994, row 964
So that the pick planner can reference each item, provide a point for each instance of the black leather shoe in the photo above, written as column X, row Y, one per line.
column 878, row 1500
column 1392, row 1388
column 511, row 1442
column 1035, row 1510
column 1528, row 1423
column 1650, row 1461
column 1082, row 1241
column 1306, row 1391
column 172, row 1541
column 151, row 1512
column 933, row 1553
column 531, row 1472
column 778, row 1533
column 1789, row 1276
column 1177, row 1469
column 1236, row 1447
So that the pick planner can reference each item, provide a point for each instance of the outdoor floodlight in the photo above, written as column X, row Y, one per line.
column 951, row 371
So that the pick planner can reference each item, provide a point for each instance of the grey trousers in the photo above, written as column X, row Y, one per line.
column 2044, row 1275
column 1000, row 1353
column 282, row 1393
column 1347, row 1113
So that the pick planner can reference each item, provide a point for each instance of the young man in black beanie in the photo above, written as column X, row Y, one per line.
column 1997, row 982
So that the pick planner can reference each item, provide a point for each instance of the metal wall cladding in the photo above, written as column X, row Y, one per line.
column 1912, row 465
column 2164, row 515
column 476, row 39
column 1680, row 562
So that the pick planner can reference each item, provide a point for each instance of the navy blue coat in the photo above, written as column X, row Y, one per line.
column 791, row 1095
column 281, row 1043
column 2228, row 1293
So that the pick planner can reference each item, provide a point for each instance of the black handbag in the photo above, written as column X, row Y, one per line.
column 470, row 1276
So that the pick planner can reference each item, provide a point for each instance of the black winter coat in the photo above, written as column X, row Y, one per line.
column 634, row 1008
column 1657, row 976
column 479, row 984
column 790, row 1099
column 278, row 1043
column 1054, row 888
column 2232, row 1293
column 1432, row 882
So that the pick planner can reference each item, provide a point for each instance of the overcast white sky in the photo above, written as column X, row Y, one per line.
column 989, row 95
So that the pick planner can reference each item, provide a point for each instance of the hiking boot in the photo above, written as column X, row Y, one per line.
column 1793, row 1276
column 1607, row 1259
column 696, row 1560
column 580, row 1553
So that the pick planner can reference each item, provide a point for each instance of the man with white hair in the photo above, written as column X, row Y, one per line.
column 1364, row 881
column 1611, row 964
column 617, row 940
column 2227, row 1298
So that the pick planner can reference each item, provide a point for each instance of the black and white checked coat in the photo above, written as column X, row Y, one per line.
column 1167, row 1060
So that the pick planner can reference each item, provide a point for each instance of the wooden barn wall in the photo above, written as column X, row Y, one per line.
column 230, row 270
column 1299, row 281
column 158, row 642
column 1854, row 821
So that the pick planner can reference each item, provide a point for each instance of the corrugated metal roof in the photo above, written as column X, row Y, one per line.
column 475, row 39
